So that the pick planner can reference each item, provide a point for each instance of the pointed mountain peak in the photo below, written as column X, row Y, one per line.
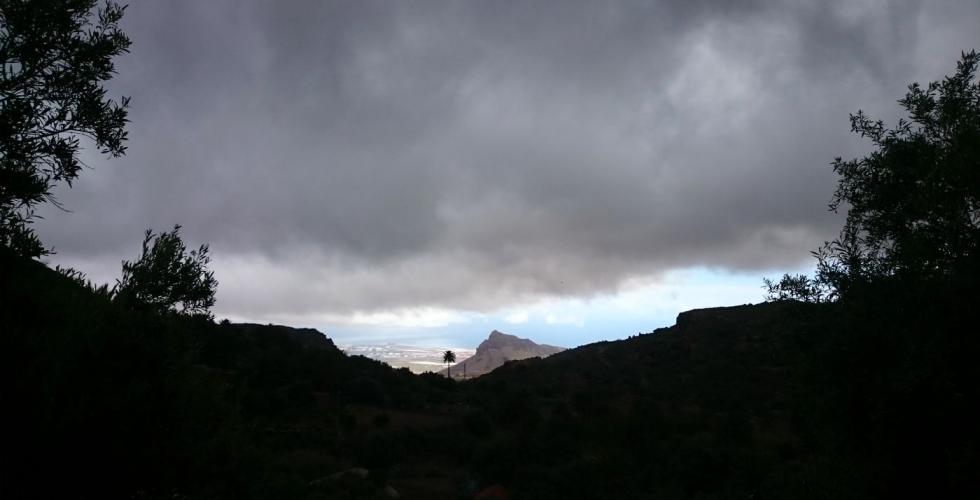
column 497, row 349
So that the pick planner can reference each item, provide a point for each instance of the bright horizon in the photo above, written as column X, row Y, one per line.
column 641, row 308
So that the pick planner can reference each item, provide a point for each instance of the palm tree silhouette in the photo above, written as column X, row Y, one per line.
column 448, row 357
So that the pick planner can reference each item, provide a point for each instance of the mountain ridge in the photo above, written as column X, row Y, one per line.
column 497, row 349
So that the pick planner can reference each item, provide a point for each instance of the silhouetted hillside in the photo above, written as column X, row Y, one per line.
column 717, row 405
column 103, row 401
column 777, row 400
column 308, row 337
column 867, row 399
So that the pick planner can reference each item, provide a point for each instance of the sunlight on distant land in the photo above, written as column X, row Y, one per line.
column 640, row 307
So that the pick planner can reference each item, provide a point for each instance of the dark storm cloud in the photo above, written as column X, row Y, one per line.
column 344, row 156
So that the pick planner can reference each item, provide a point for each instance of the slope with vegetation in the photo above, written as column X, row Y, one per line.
column 777, row 400
column 115, row 401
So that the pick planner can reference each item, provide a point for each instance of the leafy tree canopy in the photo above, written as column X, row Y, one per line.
column 913, row 204
column 798, row 287
column 54, row 57
column 169, row 278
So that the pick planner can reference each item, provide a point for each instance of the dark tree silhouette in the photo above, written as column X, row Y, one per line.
column 54, row 57
column 913, row 204
column 167, row 277
column 448, row 357
column 798, row 287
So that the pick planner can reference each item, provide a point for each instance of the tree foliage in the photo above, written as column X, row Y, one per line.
column 448, row 357
column 54, row 57
column 913, row 203
column 798, row 287
column 167, row 277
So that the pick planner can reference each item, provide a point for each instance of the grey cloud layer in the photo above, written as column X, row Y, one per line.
column 344, row 156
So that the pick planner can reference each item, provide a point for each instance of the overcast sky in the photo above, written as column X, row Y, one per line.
column 453, row 167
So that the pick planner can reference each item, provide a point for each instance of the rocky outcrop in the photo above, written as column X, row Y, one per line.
column 498, row 349
column 307, row 337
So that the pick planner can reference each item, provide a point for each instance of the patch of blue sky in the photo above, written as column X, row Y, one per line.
column 639, row 307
